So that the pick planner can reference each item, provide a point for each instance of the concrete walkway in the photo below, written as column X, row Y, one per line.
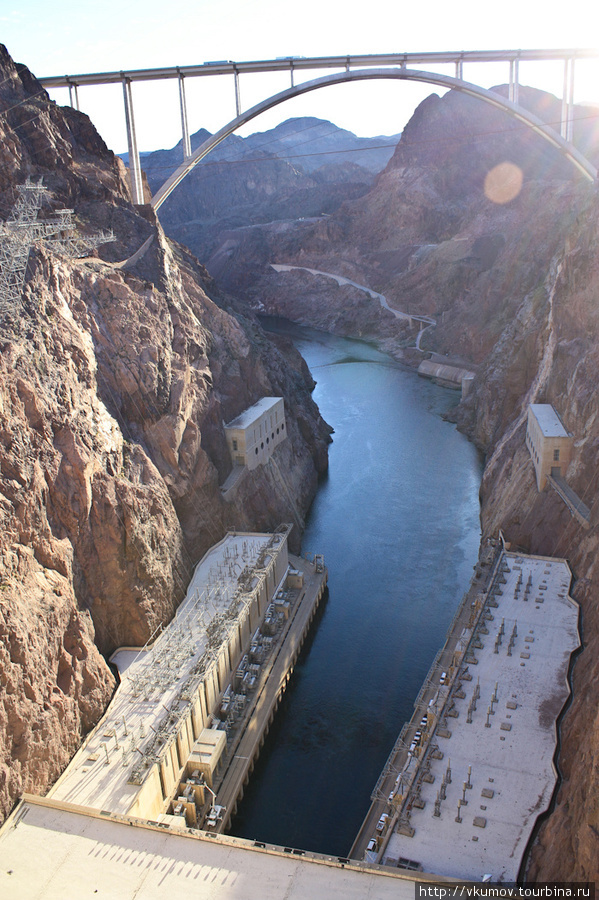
column 579, row 510
column 54, row 851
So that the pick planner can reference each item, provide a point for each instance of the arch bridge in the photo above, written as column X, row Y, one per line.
column 352, row 68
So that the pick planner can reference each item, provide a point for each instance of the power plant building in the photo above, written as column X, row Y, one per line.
column 548, row 442
column 156, row 752
column 253, row 434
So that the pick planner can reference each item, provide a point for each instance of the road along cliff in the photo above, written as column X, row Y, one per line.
column 116, row 379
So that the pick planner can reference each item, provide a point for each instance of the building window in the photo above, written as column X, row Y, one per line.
column 556, row 456
column 234, row 444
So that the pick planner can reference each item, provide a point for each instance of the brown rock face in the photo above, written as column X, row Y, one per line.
column 54, row 681
column 114, row 385
column 549, row 353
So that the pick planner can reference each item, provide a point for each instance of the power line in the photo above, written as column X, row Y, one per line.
column 462, row 140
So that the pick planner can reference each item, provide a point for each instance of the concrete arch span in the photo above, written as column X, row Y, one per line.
column 402, row 74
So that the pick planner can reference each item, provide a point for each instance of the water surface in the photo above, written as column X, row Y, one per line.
column 397, row 519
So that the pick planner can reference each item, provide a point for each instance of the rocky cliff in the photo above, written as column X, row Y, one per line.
column 115, row 380
column 549, row 352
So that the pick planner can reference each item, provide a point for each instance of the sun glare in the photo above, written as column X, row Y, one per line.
column 503, row 182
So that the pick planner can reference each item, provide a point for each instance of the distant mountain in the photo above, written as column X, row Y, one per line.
column 303, row 168
column 307, row 142
column 313, row 143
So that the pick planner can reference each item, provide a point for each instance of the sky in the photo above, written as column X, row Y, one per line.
column 68, row 38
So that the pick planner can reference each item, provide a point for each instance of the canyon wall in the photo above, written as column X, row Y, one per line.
column 549, row 353
column 115, row 381
column 435, row 234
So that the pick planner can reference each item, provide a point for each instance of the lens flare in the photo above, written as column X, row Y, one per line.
column 503, row 182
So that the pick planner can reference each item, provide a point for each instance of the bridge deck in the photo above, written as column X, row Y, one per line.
column 229, row 67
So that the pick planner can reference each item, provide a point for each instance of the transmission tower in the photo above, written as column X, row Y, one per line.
column 22, row 230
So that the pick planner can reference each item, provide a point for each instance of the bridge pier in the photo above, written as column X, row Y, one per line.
column 73, row 95
column 137, row 194
column 184, row 124
column 566, row 127
column 514, row 82
column 237, row 93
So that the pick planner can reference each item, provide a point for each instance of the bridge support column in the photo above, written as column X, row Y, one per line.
column 567, row 123
column 184, row 125
column 137, row 194
column 459, row 69
column 514, row 80
column 237, row 94
column 73, row 95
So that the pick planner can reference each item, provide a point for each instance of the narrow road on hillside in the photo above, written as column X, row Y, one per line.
column 426, row 321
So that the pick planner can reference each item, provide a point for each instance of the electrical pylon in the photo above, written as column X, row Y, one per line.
column 22, row 231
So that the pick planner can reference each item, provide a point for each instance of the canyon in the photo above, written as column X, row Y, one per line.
column 115, row 380
column 479, row 224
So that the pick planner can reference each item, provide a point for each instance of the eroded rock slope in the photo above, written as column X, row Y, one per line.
column 115, row 381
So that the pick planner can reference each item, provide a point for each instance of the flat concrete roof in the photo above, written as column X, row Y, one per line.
column 50, row 852
column 511, row 759
column 98, row 775
column 252, row 413
column 549, row 421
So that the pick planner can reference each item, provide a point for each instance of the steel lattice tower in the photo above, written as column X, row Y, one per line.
column 22, row 230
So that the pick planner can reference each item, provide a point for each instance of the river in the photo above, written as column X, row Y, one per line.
column 397, row 519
